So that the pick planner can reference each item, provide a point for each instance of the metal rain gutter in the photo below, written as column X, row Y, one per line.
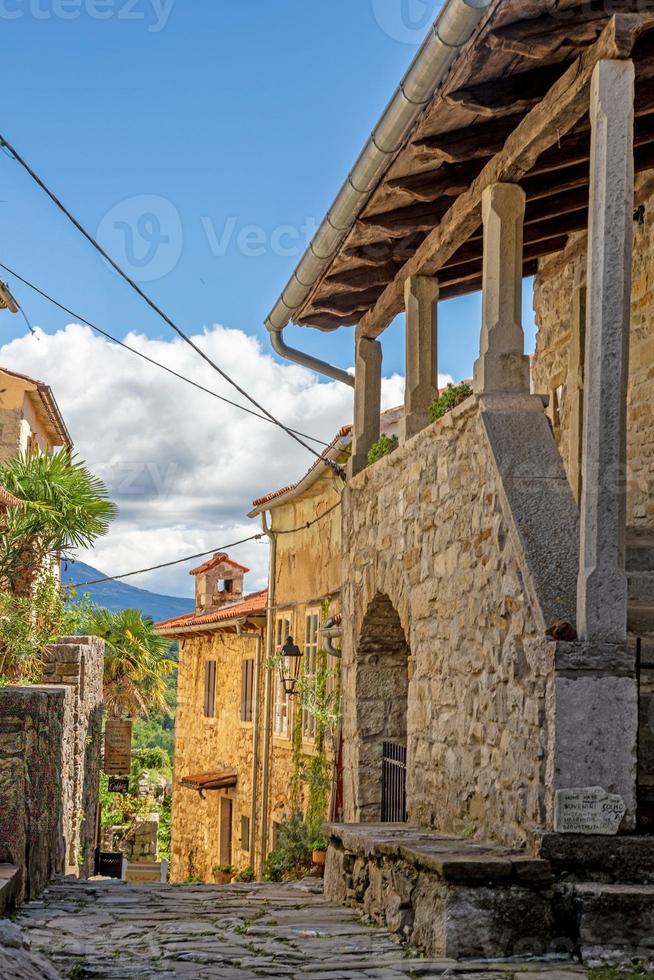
column 452, row 29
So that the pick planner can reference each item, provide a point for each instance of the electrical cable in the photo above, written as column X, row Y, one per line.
column 203, row 554
column 133, row 350
column 150, row 302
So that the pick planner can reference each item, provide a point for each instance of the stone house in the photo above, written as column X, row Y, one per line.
column 498, row 569
column 29, row 416
column 215, row 778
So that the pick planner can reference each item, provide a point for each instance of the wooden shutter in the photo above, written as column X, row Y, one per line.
column 245, row 833
column 210, row 689
column 247, row 688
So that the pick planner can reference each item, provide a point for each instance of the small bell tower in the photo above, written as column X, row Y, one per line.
column 218, row 583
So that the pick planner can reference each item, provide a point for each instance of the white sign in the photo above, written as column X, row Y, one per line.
column 588, row 811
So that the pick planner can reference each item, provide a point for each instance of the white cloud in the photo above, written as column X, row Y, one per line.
column 182, row 466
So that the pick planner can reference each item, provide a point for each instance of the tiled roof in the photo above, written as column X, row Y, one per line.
column 49, row 404
column 254, row 603
column 341, row 434
column 219, row 559
column 8, row 500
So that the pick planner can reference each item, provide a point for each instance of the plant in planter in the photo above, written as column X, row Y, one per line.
column 222, row 873
column 246, row 874
column 449, row 399
column 381, row 448
column 319, row 850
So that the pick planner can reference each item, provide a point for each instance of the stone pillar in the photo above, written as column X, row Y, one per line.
column 602, row 586
column 502, row 366
column 421, row 298
column 367, row 401
column 575, row 385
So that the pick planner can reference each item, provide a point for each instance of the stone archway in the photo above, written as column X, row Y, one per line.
column 382, row 686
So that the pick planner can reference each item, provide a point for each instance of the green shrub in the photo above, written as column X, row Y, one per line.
column 292, row 856
column 247, row 874
column 381, row 448
column 449, row 399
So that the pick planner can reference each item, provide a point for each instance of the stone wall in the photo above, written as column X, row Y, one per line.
column 36, row 778
column 78, row 662
column 558, row 367
column 447, row 532
column 49, row 762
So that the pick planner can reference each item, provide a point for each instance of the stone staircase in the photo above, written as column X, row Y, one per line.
column 640, row 573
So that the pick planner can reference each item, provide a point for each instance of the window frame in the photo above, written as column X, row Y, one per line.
column 310, row 666
column 281, row 702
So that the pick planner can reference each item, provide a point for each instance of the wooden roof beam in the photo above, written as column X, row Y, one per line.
column 555, row 114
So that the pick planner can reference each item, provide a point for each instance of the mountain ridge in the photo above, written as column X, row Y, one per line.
column 115, row 595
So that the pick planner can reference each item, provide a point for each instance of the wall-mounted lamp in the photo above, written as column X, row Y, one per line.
column 289, row 668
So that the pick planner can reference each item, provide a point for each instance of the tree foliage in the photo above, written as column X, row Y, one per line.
column 136, row 664
column 64, row 506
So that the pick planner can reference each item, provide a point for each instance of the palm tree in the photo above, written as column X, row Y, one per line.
column 65, row 507
column 136, row 666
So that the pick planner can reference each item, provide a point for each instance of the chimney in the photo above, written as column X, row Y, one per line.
column 218, row 583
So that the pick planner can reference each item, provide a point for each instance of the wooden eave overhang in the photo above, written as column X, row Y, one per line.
column 225, row 779
column 528, row 68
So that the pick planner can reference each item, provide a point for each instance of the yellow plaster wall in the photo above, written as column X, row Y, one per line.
column 308, row 577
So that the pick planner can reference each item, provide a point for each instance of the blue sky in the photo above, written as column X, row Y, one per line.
column 233, row 123
column 201, row 141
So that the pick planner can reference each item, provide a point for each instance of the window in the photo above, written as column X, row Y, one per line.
column 283, row 628
column 312, row 624
column 247, row 690
column 245, row 833
column 210, row 689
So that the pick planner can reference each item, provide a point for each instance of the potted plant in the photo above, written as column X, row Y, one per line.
column 319, row 850
column 222, row 873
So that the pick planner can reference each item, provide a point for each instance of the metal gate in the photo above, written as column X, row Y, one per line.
column 393, row 783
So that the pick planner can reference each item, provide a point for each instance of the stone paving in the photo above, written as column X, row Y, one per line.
column 101, row 929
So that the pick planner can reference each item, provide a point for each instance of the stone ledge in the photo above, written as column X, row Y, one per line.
column 10, row 887
column 607, row 658
column 452, row 859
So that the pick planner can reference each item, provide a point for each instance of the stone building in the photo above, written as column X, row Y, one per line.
column 498, row 569
column 217, row 723
column 29, row 416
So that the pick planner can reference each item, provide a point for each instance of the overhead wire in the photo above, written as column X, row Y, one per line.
column 203, row 554
column 145, row 357
column 151, row 303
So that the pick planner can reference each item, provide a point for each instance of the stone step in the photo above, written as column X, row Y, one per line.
column 641, row 587
column 640, row 551
column 613, row 923
column 608, row 860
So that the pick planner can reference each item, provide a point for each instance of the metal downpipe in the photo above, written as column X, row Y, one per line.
column 268, row 689
column 306, row 360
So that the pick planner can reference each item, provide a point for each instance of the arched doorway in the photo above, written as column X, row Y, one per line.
column 382, row 686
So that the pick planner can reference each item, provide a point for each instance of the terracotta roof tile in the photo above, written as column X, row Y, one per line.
column 341, row 434
column 219, row 559
column 254, row 603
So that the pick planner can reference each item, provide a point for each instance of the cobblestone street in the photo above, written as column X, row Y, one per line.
column 118, row 931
